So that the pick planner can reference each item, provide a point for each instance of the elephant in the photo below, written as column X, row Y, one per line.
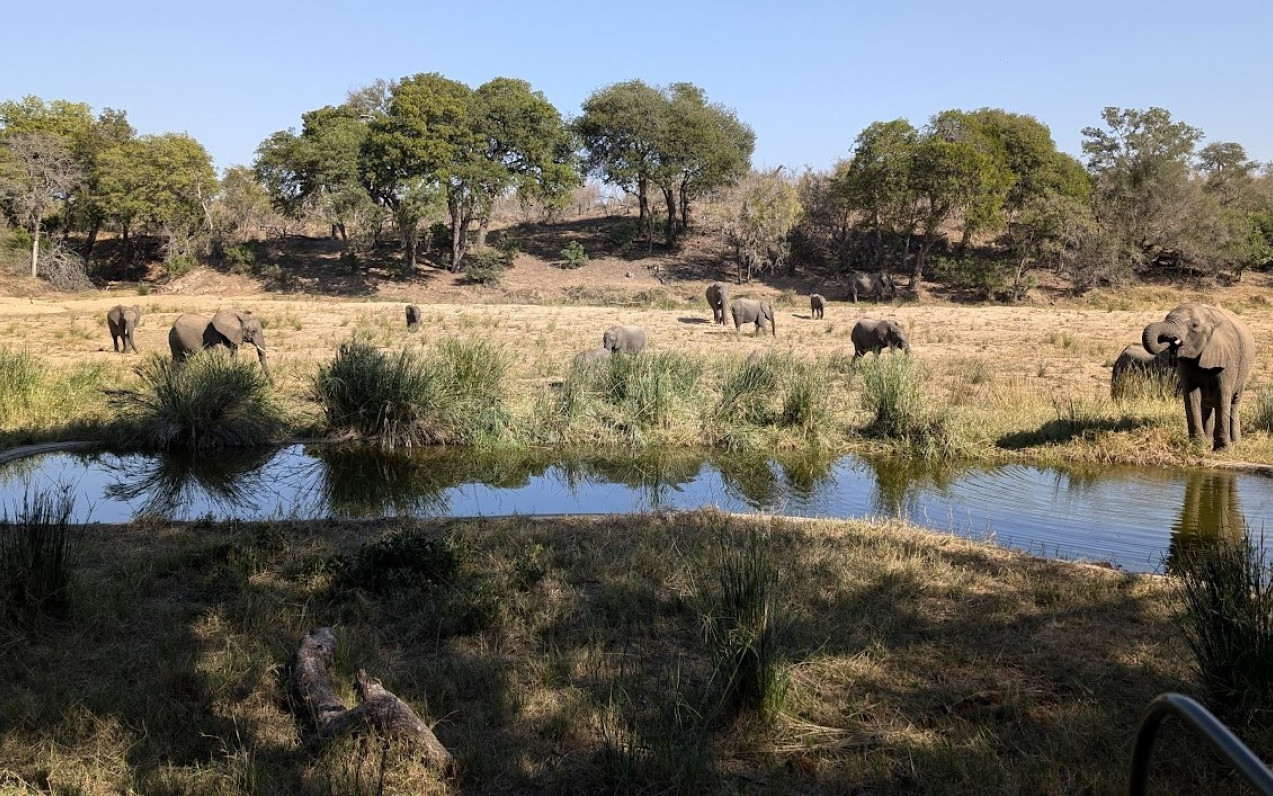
column 624, row 339
column 593, row 356
column 122, row 321
column 717, row 298
column 760, row 313
column 1214, row 356
column 880, row 283
column 1136, row 361
column 191, row 333
column 413, row 318
column 817, row 306
column 875, row 336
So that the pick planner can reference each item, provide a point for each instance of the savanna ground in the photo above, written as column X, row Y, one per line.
column 575, row 655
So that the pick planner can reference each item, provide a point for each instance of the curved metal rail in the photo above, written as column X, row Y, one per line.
column 1201, row 721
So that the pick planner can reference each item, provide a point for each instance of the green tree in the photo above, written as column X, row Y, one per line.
column 1142, row 195
column 879, row 182
column 619, row 131
column 242, row 206
column 757, row 217
column 165, row 182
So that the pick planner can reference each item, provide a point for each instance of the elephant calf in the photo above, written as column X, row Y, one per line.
column 627, row 339
column 817, row 306
column 593, row 356
column 191, row 333
column 717, row 298
column 413, row 318
column 122, row 321
column 1136, row 362
column 760, row 313
column 874, row 336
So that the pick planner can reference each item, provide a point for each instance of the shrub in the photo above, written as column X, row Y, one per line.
column 574, row 255
column 405, row 400
column 240, row 259
column 178, row 265
column 1226, row 615
column 399, row 561
column 37, row 553
column 487, row 266
column 208, row 402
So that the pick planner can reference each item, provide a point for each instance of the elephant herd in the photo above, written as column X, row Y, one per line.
column 1210, row 350
column 191, row 333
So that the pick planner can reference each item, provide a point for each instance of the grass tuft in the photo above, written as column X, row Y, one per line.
column 745, row 626
column 892, row 392
column 406, row 399
column 1226, row 615
column 209, row 402
column 37, row 553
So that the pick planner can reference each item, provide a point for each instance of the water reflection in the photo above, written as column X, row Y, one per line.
column 232, row 482
column 1209, row 514
column 1139, row 518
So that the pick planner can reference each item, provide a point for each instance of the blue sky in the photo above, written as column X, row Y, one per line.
column 807, row 76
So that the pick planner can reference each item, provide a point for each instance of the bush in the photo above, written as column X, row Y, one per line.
column 37, row 553
column 178, row 265
column 1226, row 615
column 487, row 266
column 208, row 402
column 404, row 400
column 400, row 561
column 240, row 259
column 574, row 255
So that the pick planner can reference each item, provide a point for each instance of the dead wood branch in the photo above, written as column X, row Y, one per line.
column 378, row 708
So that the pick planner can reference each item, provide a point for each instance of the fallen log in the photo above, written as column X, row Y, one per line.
column 378, row 708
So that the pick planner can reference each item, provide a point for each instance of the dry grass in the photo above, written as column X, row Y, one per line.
column 568, row 655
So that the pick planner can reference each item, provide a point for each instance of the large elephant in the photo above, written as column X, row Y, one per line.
column 760, row 313
column 880, row 284
column 413, row 318
column 817, row 306
column 717, row 298
column 626, row 339
column 229, row 328
column 1136, row 361
column 1214, row 356
column 122, row 321
column 874, row 336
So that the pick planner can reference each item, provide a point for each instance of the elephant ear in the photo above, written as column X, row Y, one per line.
column 1222, row 348
column 229, row 325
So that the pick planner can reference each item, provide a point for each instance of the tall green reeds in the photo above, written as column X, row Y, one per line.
column 774, row 389
column 20, row 378
column 744, row 627
column 1226, row 615
column 406, row 399
column 892, row 392
column 623, row 397
column 37, row 552
column 208, row 402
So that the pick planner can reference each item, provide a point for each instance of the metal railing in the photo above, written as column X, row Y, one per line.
column 1203, row 723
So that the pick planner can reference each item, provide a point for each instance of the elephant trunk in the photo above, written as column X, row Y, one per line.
column 1158, row 337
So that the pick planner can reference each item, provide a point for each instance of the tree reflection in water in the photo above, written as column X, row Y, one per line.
column 358, row 481
column 168, row 484
column 652, row 473
column 1209, row 515
column 899, row 482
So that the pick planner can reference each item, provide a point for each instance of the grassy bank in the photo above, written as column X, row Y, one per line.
column 470, row 391
column 696, row 653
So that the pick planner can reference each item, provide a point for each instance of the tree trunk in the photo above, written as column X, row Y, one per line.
column 669, row 196
column 685, row 206
column 643, row 201
column 92, row 240
column 379, row 708
column 35, row 251
column 483, row 226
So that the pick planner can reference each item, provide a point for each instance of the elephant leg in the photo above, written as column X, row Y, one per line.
column 1193, row 411
column 1223, row 418
column 1235, row 424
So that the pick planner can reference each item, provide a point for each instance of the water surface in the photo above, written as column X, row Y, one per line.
column 1135, row 518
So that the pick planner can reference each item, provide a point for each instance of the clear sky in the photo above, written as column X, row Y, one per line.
column 807, row 75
